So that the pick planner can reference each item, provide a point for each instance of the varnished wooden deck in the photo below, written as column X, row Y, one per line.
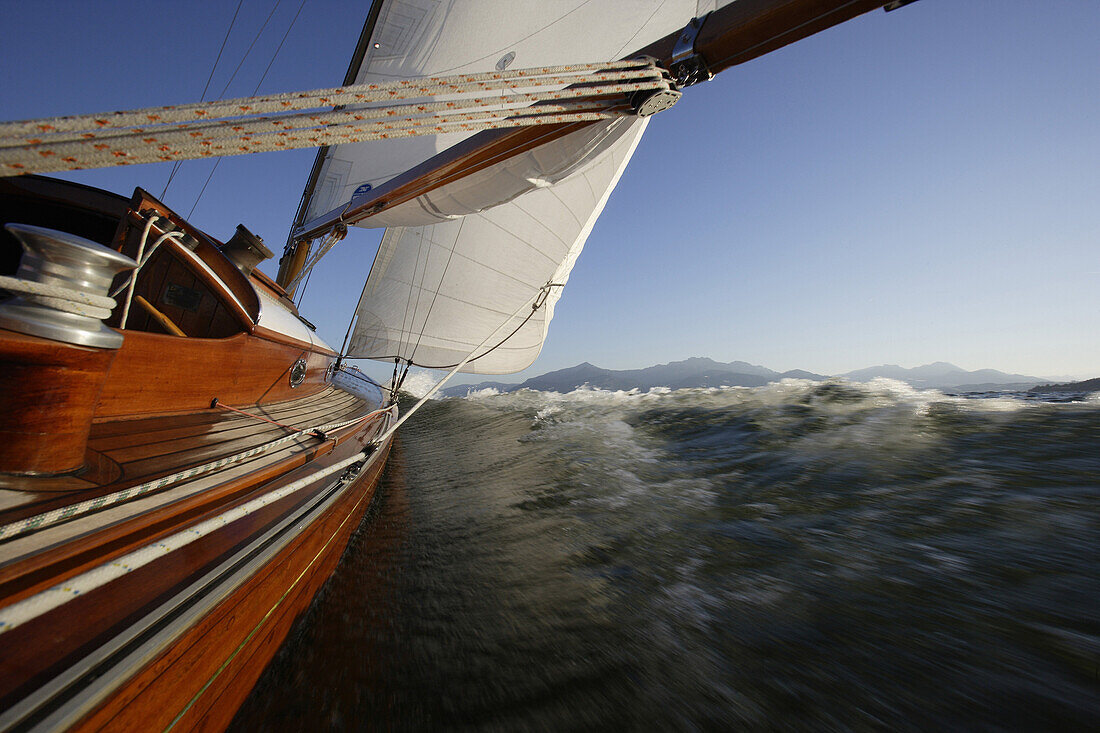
column 137, row 451
column 132, row 453
column 126, row 453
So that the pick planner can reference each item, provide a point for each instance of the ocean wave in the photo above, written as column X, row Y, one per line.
column 803, row 555
column 785, row 444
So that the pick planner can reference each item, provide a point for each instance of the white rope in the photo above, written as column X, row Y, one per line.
column 62, row 514
column 60, row 298
column 197, row 132
column 236, row 126
column 595, row 92
column 51, row 598
column 132, row 280
column 142, row 260
column 335, row 96
column 134, row 150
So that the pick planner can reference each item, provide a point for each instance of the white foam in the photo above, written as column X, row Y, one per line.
column 418, row 382
column 877, row 393
column 481, row 394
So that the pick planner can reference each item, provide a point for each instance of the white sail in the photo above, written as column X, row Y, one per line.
column 437, row 291
column 418, row 38
column 459, row 260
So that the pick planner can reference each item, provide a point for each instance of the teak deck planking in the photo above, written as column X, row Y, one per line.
column 284, row 588
column 24, row 665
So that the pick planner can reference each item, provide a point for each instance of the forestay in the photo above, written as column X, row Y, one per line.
column 459, row 260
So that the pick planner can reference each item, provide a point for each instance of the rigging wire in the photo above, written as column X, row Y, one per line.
column 544, row 293
column 249, row 50
column 205, row 89
column 338, row 232
column 203, row 189
column 257, row 88
column 302, row 292
column 279, row 47
column 535, row 302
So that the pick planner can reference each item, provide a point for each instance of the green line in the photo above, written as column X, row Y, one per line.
column 262, row 621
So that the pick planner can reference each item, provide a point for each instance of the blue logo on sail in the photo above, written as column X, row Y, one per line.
column 361, row 190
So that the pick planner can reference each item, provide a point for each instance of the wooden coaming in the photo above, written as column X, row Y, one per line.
column 47, row 401
column 238, row 370
column 53, row 392
column 41, row 648
column 230, row 647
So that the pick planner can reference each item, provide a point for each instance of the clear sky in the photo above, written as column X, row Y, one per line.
column 908, row 187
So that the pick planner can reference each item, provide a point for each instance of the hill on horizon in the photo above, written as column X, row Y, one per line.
column 705, row 372
column 693, row 372
column 944, row 375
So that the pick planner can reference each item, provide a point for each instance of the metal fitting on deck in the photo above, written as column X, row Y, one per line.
column 62, row 288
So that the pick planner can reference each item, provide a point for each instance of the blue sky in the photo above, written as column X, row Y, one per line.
column 908, row 187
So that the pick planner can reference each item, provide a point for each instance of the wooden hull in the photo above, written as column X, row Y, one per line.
column 170, row 507
column 187, row 634
column 202, row 678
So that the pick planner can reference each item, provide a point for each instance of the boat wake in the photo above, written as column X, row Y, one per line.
column 800, row 555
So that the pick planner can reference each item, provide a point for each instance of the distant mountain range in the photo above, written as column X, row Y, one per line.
column 942, row 375
column 1089, row 385
column 703, row 372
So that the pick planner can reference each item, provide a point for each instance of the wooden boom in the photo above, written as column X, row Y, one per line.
column 731, row 35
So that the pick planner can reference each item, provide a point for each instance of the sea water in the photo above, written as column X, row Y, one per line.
column 797, row 556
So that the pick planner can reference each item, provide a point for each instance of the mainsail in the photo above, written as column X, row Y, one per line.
column 437, row 291
column 455, row 263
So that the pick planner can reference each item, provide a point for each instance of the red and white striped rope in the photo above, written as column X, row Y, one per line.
column 105, row 148
column 237, row 126
column 109, row 156
column 245, row 126
column 336, row 96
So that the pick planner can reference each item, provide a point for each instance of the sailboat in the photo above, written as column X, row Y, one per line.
column 183, row 460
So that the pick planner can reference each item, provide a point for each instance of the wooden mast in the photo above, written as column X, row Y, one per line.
column 296, row 250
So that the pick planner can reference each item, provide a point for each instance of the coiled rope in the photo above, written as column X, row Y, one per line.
column 60, row 298
column 460, row 103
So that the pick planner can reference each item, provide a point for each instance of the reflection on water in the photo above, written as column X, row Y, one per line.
column 798, row 555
